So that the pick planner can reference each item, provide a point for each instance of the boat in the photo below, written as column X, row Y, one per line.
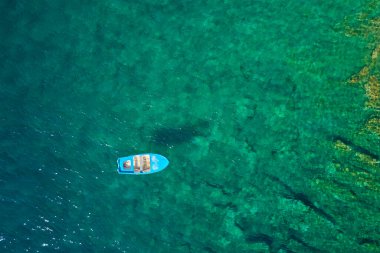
column 142, row 164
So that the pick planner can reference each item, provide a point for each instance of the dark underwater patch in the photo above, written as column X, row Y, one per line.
column 179, row 135
column 164, row 136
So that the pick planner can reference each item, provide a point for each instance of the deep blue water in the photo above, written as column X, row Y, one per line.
column 267, row 110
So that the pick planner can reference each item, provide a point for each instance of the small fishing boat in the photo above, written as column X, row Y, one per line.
column 142, row 164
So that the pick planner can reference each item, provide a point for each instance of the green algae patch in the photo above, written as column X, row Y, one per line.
column 267, row 111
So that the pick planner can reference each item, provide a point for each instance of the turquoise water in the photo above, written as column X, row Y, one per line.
column 271, row 147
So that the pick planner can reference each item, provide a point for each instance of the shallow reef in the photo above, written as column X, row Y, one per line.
column 268, row 113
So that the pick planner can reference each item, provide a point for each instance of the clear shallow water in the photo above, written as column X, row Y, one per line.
column 272, row 148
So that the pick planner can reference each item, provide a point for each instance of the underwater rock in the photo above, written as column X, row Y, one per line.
column 372, row 88
column 181, row 134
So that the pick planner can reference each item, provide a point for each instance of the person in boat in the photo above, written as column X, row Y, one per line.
column 145, row 163
column 136, row 163
column 127, row 164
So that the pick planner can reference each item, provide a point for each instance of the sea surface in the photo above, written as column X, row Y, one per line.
column 269, row 112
